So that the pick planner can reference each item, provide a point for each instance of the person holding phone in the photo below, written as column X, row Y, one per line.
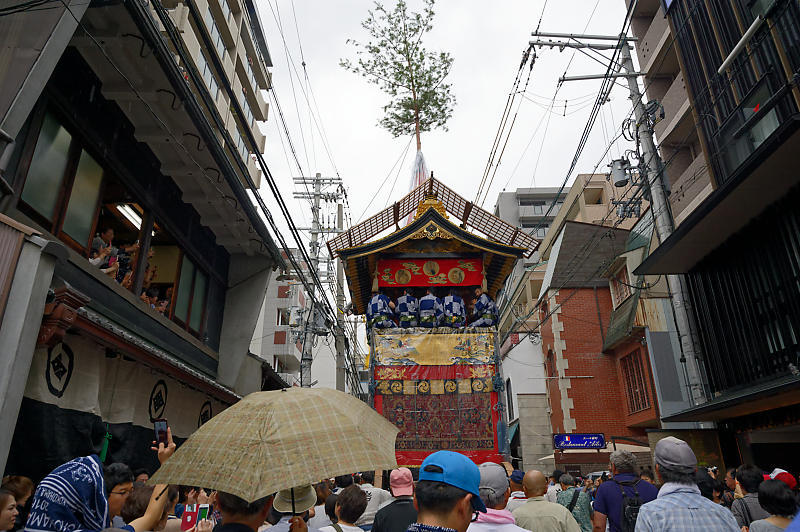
column 75, row 496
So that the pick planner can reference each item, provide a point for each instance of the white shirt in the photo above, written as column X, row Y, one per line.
column 516, row 500
column 283, row 526
column 375, row 498
column 320, row 518
column 552, row 493
column 345, row 528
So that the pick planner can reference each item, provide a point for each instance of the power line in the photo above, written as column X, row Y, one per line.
column 602, row 96
column 196, row 79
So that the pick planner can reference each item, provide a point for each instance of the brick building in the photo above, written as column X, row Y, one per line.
column 586, row 388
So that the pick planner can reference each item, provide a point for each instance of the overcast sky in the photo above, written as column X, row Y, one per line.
column 486, row 41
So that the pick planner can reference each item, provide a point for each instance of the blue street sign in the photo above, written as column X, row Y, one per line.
column 579, row 441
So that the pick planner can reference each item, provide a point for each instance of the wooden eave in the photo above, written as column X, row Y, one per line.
column 430, row 234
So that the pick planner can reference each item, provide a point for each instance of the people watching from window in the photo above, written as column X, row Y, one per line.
column 163, row 304
column 105, row 238
column 150, row 297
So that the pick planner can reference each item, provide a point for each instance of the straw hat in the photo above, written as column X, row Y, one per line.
column 304, row 499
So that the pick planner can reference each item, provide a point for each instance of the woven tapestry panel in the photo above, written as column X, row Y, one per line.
column 435, row 422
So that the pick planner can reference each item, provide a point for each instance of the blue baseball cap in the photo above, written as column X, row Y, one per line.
column 517, row 476
column 456, row 470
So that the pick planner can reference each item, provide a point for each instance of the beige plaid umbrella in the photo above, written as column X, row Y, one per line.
column 276, row 440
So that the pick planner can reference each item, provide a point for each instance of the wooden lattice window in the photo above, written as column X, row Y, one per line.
column 620, row 286
column 635, row 382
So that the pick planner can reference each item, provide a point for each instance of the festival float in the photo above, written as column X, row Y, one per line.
column 441, row 386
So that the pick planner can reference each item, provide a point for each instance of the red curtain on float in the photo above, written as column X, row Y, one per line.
column 438, row 389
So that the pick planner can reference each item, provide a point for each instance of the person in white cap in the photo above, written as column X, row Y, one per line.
column 290, row 508
column 680, row 506
column 494, row 489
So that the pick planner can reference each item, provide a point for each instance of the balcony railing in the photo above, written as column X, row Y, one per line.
column 740, row 109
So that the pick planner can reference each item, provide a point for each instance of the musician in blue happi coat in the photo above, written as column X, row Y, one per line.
column 455, row 314
column 407, row 309
column 379, row 311
column 485, row 312
column 430, row 310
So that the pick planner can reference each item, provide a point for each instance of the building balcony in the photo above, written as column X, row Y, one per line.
column 690, row 189
column 644, row 8
column 676, row 113
column 656, row 56
column 284, row 348
column 594, row 213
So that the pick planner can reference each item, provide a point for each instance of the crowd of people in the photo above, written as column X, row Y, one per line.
column 118, row 262
column 452, row 493
column 430, row 310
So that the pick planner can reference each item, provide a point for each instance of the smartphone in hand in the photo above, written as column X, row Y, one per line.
column 160, row 428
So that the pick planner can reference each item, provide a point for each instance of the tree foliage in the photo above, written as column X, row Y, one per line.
column 394, row 59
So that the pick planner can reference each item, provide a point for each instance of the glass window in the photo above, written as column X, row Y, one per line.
column 240, row 145
column 82, row 205
column 208, row 75
column 198, row 301
column 213, row 31
column 248, row 113
column 226, row 10
column 184, row 290
column 46, row 173
column 283, row 316
column 248, row 66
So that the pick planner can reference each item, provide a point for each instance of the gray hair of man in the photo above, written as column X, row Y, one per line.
column 566, row 480
column 490, row 497
column 623, row 461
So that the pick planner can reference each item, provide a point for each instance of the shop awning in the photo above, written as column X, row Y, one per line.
column 776, row 393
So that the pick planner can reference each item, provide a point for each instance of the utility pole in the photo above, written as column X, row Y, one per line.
column 340, row 362
column 651, row 168
column 310, row 322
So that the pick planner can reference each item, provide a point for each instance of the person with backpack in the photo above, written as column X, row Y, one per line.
column 680, row 506
column 578, row 502
column 618, row 500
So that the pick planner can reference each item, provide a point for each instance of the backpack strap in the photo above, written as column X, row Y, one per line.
column 749, row 516
column 337, row 527
column 574, row 500
column 629, row 484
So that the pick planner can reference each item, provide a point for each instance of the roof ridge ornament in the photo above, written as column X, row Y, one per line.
column 431, row 201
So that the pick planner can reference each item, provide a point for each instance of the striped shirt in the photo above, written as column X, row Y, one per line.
column 680, row 507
